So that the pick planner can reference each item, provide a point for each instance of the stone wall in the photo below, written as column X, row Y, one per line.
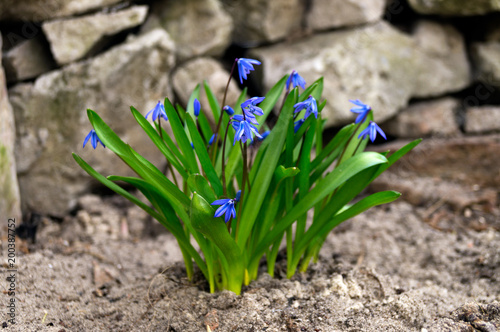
column 428, row 68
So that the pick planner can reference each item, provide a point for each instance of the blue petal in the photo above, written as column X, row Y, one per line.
column 197, row 107
column 221, row 201
column 220, row 211
column 87, row 137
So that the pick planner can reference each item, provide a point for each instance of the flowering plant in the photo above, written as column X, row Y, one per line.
column 239, row 190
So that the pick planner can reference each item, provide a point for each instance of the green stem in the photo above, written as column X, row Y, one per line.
column 215, row 144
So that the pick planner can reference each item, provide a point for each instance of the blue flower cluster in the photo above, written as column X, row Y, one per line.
column 362, row 110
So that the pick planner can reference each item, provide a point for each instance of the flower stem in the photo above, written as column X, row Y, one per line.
column 350, row 139
column 215, row 144
column 243, row 182
column 224, row 185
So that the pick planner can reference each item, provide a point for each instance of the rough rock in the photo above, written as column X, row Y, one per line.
column 326, row 14
column 426, row 118
column 194, row 72
column 10, row 205
column 52, row 122
column 377, row 64
column 471, row 161
column 441, row 60
column 198, row 27
column 34, row 10
column 73, row 38
column 486, row 58
column 455, row 7
column 27, row 60
column 263, row 21
column 482, row 119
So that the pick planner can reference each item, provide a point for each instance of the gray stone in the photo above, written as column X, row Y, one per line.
column 377, row 64
column 455, row 7
column 441, row 60
column 27, row 60
column 10, row 205
column 51, row 119
column 72, row 39
column 187, row 76
column 426, row 118
column 486, row 57
column 482, row 119
column 327, row 14
column 198, row 27
column 35, row 10
column 262, row 21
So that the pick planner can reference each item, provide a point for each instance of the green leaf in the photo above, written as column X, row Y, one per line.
column 341, row 174
column 181, row 137
column 158, row 141
column 202, row 219
column 171, row 221
column 212, row 101
column 272, row 97
column 202, row 153
column 356, row 145
column 113, row 186
column 199, row 184
column 264, row 175
column 397, row 155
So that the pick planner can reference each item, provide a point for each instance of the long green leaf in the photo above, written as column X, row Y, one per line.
column 202, row 153
column 348, row 169
column 181, row 137
column 264, row 175
column 158, row 141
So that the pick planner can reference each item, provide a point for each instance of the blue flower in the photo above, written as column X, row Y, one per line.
column 197, row 107
column 295, row 80
column 250, row 118
column 361, row 109
column 309, row 105
column 228, row 110
column 212, row 139
column 371, row 130
column 244, row 129
column 94, row 139
column 250, row 107
column 158, row 111
column 227, row 207
column 264, row 135
column 245, row 66
column 297, row 125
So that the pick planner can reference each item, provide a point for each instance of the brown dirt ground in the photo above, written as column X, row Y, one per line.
column 430, row 263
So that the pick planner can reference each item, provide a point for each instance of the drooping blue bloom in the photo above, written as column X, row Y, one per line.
column 250, row 107
column 212, row 139
column 227, row 207
column 295, row 80
column 362, row 110
column 158, row 111
column 264, row 135
column 250, row 118
column 253, row 101
column 244, row 129
column 297, row 125
column 245, row 66
column 309, row 105
column 197, row 106
column 228, row 110
column 94, row 139
column 371, row 131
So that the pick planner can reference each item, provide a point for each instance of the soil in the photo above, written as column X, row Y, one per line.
column 427, row 263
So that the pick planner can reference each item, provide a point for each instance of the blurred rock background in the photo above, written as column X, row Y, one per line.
column 428, row 69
